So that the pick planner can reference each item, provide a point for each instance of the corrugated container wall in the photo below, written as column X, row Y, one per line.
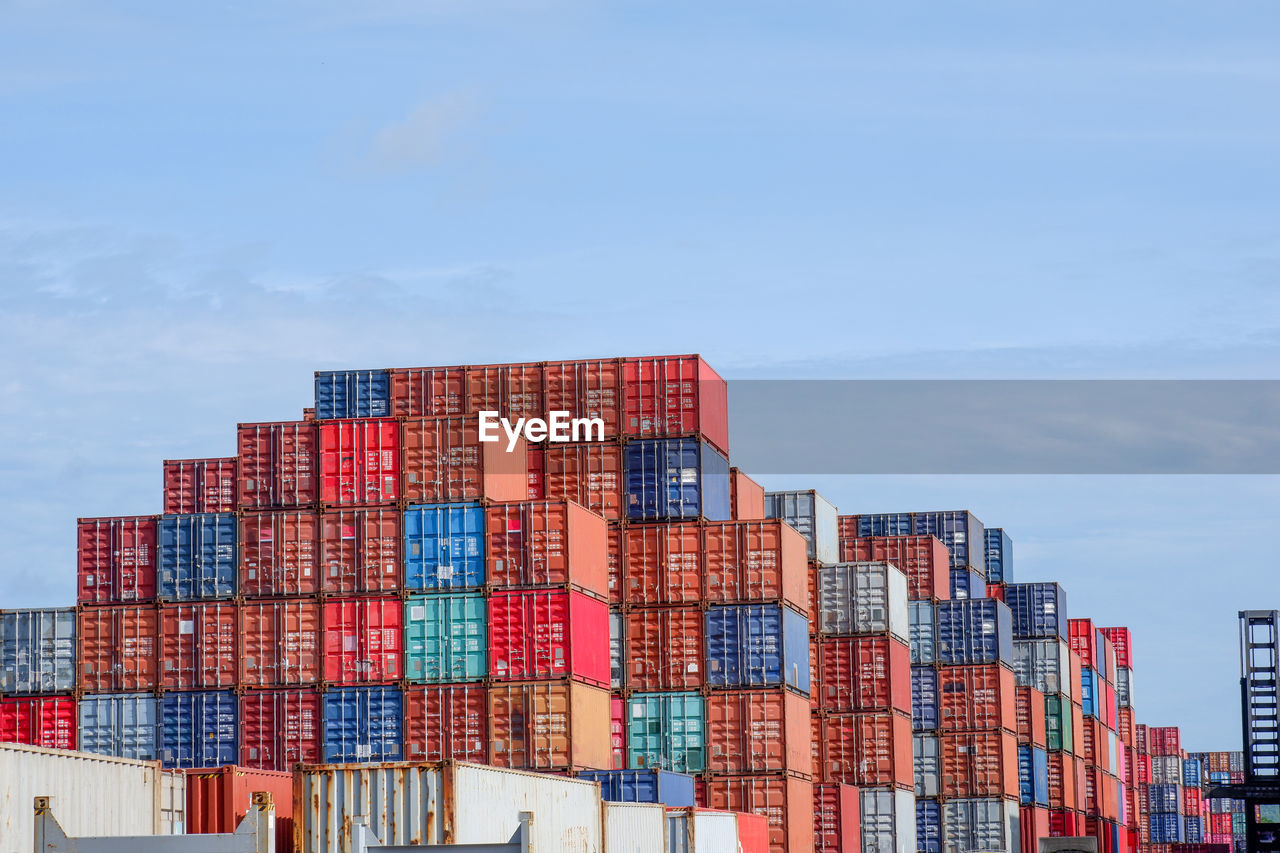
column 549, row 725
column 675, row 790
column 39, row 721
column 279, row 465
column 362, row 724
column 675, row 395
column 445, row 460
column 674, row 479
column 279, row 553
column 125, row 725
column 813, row 516
column 352, row 394
column 446, row 722
column 634, row 827
column 200, row 485
column 199, row 729
column 888, row 821
column 116, row 559
column 197, row 556
column 279, row 728
column 219, row 798
column 37, row 651
column 444, row 546
column 757, row 645
column 999, row 556
column 862, row 598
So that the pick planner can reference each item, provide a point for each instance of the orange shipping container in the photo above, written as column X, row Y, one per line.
column 785, row 801
column 360, row 550
column 1077, row 722
column 866, row 750
column 663, row 564
column 616, row 579
column 446, row 723
column 219, row 798
column 549, row 725
column 755, row 561
column 1062, row 781
column 279, row 729
column 1031, row 719
column 746, row 497
column 537, row 473
column 586, row 389
column 547, row 543
column 854, row 674
column 117, row 648
column 279, row 553
column 200, row 485
column 1094, row 748
column 664, row 648
column 979, row 764
column 1124, row 726
column 1033, row 824
column 976, row 697
column 198, row 645
column 279, row 465
column 1081, row 793
column 443, row 459
column 1094, row 790
column 924, row 559
column 587, row 473
column 280, row 642
column 512, row 390
column 1077, row 687
column 758, row 731
column 428, row 392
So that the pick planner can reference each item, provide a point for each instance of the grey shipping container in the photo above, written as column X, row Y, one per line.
column 634, row 827
column 617, row 642
column 981, row 824
column 888, row 820
column 701, row 831
column 928, row 765
column 1043, row 664
column 863, row 598
column 37, row 651
column 813, row 516
column 125, row 725
column 923, row 632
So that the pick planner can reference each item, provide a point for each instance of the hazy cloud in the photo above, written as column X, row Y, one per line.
column 425, row 135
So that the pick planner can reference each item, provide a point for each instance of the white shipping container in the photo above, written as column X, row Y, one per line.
column 701, row 831
column 442, row 803
column 813, row 516
column 1124, row 686
column 988, row 825
column 38, row 650
column 863, row 598
column 924, row 632
column 634, row 827
column 617, row 633
column 928, row 765
column 91, row 795
column 888, row 820
column 1043, row 664
column 1166, row 770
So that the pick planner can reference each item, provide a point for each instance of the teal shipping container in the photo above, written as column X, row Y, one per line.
column 446, row 638
column 667, row 731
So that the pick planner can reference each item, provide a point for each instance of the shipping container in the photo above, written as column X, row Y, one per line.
column 618, row 731
column 979, row 764
column 753, row 832
column 200, row 485
column 549, row 725
column 675, row 790
column 923, row 630
column 960, row 531
column 977, row 697
column 986, row 824
column 117, row 648
column 1083, row 638
column 444, row 546
column 360, row 550
column 667, row 731
column 967, row 583
column 427, row 392
column 547, row 543
column 1033, row 776
column 279, row 728
column 836, row 813
column 999, row 557
column 279, row 642
column 1122, row 641
column 634, row 827
column 1039, row 610
column 1124, row 687
column 446, row 722
column 1061, row 779
column 758, row 731
column 974, row 631
column 37, row 651
column 359, row 462
column 199, row 729
column 363, row 640
column 785, row 801
column 1031, row 716
column 548, row 634
column 48, row 721
column 757, row 645
column 352, row 394
column 888, row 821
column 511, row 391
column 1163, row 740
column 116, row 559
column 664, row 563
column 923, row 559
column 279, row 465
column 445, row 638
column 746, row 497
column 755, row 561
column 362, row 724
column 675, row 395
column 219, row 798
column 924, row 698
column 862, row 598
column 864, row 674
column 586, row 389
column 444, row 460
column 279, row 553
column 663, row 648
column 1044, row 665
column 675, row 479
column 866, row 750
column 813, row 516
column 199, row 646
column 926, row 754
column 701, row 831
column 929, row 830
column 197, row 557
column 124, row 725
column 617, row 650
column 587, row 473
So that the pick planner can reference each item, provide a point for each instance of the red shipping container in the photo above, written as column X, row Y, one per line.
column 547, row 543
column 1064, row 823
column 512, row 390
column 866, row 750
column 548, row 634
column 1031, row 719
column 360, row 550
column 746, row 497
column 443, row 459
column 218, row 799
column 48, row 721
column 1033, row 823
column 755, row 561
column 759, row 731
column 1094, row 790
column 977, row 697
column 1164, row 740
column 1082, row 800
column 1143, row 771
column 663, row 563
column 116, row 559
column 586, row 389
column 856, row 674
column 280, row 729
column 449, row 722
column 1192, row 802
column 549, row 725
column 786, row 801
column 979, row 764
column 537, row 464
column 198, row 646
column 279, row 465
column 117, row 648
column 753, row 832
column 280, row 642
column 587, row 473
column 924, row 559
column 200, row 485
column 1062, row 781
column 359, row 462
column 1077, row 723
column 618, row 731
column 616, row 579
column 279, row 553
column 996, row 591
column 837, row 815
column 675, row 395
column 664, row 648
column 363, row 640
column 1082, row 636
column 428, row 392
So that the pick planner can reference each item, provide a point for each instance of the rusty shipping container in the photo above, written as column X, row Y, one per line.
column 279, row 553
column 199, row 648
column 749, row 561
column 446, row 722
column 280, row 729
column 200, row 485
column 549, row 726
column 280, row 642
column 785, row 801
column 116, row 559
column 547, row 543
column 279, row 465
column 663, row 648
column 759, row 731
column 663, row 563
column 117, row 647
column 443, row 459
column 360, row 550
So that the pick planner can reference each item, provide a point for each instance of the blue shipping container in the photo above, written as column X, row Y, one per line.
column 960, row 531
column 444, row 546
column 928, row 826
column 197, row 556
column 362, row 724
column 1033, row 776
column 1089, row 693
column 198, row 729
column 924, row 698
column 1039, row 610
column 676, row 478
column 1166, row 828
column 999, row 559
column 977, row 630
column 1163, row 798
column 884, row 524
column 1191, row 772
column 352, row 394
column 674, row 790
column 967, row 583
column 754, row 645
column 923, row 630
column 1194, row 830
column 119, row 724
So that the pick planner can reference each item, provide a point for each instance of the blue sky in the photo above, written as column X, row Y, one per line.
column 202, row 203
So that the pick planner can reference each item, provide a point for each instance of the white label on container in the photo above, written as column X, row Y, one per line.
column 364, row 750
column 418, row 612
column 348, row 644
column 693, row 667
column 185, row 627
column 637, row 709
column 445, row 573
column 688, row 475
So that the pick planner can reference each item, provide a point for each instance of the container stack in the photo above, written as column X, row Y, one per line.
column 999, row 562
column 38, row 678
column 1224, row 819
column 1164, row 796
column 1133, row 805
column 1102, row 761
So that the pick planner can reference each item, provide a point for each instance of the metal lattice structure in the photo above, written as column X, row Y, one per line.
column 1260, row 693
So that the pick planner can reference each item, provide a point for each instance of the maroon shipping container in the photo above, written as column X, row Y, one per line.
column 1064, row 823
column 588, row 473
column 663, row 648
column 586, row 389
column 663, row 563
column 866, row 750
column 979, row 764
column 443, row 459
column 280, row 642
column 977, row 697
column 116, row 559
column 280, row 729
column 616, row 579
column 856, row 674
column 549, row 726
column 364, row 640
column 548, row 634
column 116, row 648
column 924, row 559
column 219, row 798
column 746, row 497
column 446, row 723
column 428, row 392
column 359, row 462
column 279, row 465
column 360, row 550
column 1163, row 740
column 759, row 731
column 512, row 390
column 1122, row 641
column 49, row 721
column 547, row 543
column 750, row 561
column 837, row 813
column 675, row 395
column 198, row 646
column 785, row 801
column 200, row 485
column 279, row 553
